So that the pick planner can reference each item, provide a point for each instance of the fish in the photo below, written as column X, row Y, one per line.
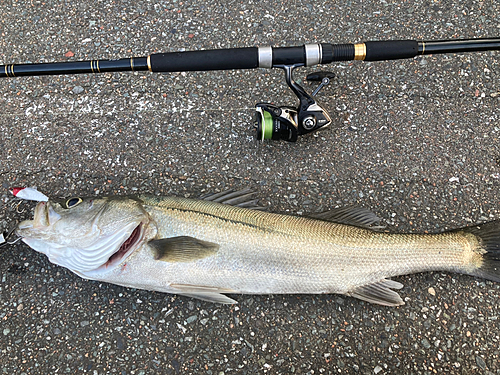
column 226, row 244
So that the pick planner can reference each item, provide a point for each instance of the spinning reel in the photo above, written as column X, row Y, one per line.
column 287, row 123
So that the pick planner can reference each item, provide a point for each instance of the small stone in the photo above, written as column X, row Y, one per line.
column 84, row 323
column 119, row 343
column 377, row 369
column 480, row 362
column 6, row 331
column 176, row 365
column 431, row 291
column 78, row 90
column 426, row 343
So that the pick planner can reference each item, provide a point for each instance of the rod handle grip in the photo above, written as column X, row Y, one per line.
column 220, row 59
column 391, row 50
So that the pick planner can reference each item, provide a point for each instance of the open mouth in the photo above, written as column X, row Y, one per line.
column 124, row 249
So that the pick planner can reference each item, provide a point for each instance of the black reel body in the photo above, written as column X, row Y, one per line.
column 287, row 123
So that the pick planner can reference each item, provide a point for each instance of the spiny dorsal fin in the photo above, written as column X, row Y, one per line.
column 357, row 216
column 379, row 293
column 239, row 198
column 182, row 249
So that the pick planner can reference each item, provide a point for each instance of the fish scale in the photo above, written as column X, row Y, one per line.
column 203, row 248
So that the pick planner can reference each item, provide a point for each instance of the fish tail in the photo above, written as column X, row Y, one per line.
column 488, row 235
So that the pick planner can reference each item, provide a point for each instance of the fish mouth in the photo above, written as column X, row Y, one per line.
column 126, row 248
column 43, row 218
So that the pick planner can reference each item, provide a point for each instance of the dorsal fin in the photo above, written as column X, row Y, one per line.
column 240, row 198
column 356, row 216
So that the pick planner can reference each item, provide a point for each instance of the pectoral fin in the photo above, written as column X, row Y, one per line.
column 379, row 293
column 182, row 249
column 205, row 293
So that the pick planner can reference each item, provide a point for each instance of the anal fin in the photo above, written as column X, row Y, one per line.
column 380, row 293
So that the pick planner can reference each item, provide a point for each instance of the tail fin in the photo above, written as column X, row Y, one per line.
column 488, row 235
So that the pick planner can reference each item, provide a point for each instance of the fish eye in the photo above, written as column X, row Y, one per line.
column 72, row 202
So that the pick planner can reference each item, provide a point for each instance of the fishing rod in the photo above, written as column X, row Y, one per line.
column 272, row 122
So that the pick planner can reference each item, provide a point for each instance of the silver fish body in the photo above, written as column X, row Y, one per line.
column 204, row 249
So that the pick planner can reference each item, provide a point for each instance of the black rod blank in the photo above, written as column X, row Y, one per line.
column 456, row 46
column 257, row 57
column 74, row 67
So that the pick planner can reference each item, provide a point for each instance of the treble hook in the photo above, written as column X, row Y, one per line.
column 6, row 237
column 17, row 208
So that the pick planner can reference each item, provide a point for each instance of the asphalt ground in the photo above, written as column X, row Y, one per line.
column 415, row 141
